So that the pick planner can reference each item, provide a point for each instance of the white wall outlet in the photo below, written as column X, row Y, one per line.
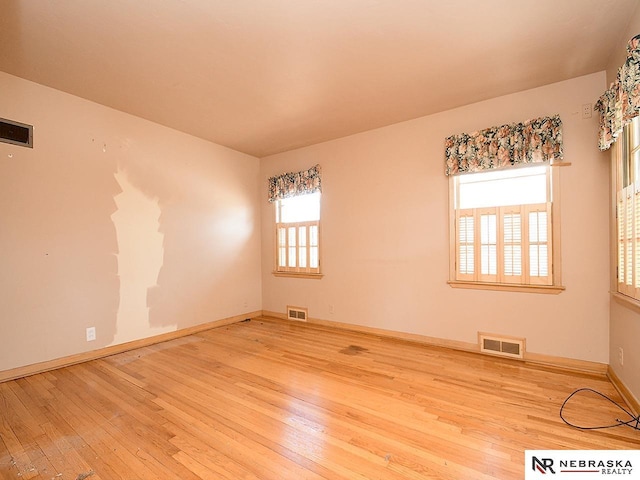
column 621, row 356
column 91, row 334
column 331, row 309
column 586, row 110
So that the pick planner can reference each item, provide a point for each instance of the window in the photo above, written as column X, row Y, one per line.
column 298, row 234
column 502, row 227
column 628, row 210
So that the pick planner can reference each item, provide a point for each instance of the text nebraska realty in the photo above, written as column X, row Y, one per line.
column 606, row 467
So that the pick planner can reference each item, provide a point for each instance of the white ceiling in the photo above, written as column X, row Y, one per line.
column 265, row 76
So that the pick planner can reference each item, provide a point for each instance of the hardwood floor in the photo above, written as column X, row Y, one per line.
column 267, row 399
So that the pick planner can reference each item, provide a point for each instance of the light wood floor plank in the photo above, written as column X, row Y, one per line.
column 275, row 400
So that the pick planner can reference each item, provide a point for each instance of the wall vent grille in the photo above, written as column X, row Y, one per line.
column 503, row 346
column 16, row 133
column 297, row 313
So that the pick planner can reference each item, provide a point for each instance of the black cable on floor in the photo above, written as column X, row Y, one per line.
column 633, row 422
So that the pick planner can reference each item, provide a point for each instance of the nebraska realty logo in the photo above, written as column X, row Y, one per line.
column 567, row 464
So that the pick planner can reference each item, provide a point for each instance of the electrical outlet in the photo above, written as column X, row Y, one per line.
column 331, row 311
column 621, row 356
column 586, row 110
column 91, row 334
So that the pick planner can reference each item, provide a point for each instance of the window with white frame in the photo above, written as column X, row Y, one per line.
column 504, row 209
column 502, row 226
column 627, row 183
column 298, row 234
column 296, row 196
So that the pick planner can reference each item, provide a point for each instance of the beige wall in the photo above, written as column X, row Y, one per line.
column 385, row 232
column 625, row 334
column 115, row 222
column 624, row 319
column 118, row 223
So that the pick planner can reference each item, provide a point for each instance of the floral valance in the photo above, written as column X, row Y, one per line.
column 295, row 183
column 621, row 103
column 533, row 141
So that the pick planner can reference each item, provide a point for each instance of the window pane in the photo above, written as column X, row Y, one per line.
column 292, row 246
column 635, row 243
column 282, row 244
column 509, row 210
column 466, row 265
column 516, row 186
column 635, row 139
column 625, row 160
column 297, row 238
column 292, row 236
column 512, row 244
column 513, row 260
column 488, row 250
column 621, row 229
column 488, row 264
column 301, row 208
column 487, row 229
column 466, row 229
column 512, row 228
column 538, row 227
column 466, row 250
column 313, row 235
column 302, row 236
column 543, row 257
column 302, row 250
column 538, row 260
column 628, row 234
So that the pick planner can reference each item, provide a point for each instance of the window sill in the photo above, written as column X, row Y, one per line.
column 626, row 301
column 547, row 289
column 314, row 276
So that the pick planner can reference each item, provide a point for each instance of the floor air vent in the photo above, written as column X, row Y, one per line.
column 297, row 313
column 504, row 346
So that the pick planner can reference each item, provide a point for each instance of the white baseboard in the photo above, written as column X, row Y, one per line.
column 27, row 370
column 583, row 366
column 624, row 392
column 536, row 358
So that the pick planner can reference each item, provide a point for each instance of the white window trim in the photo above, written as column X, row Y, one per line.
column 296, row 271
column 556, row 265
column 627, row 293
column 299, row 227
